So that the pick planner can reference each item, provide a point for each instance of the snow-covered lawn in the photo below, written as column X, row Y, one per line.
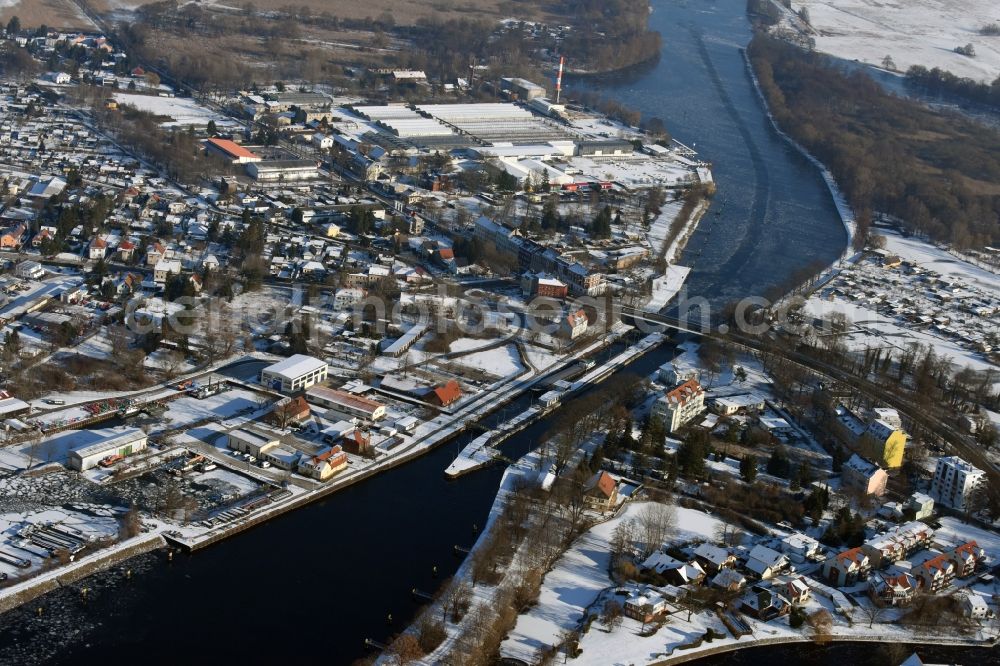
column 953, row 530
column 911, row 32
column 499, row 362
column 184, row 111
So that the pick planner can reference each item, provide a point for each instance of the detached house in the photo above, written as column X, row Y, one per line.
column 798, row 591
column 764, row 603
column 44, row 234
column 645, row 606
column 126, row 249
column 98, row 248
column 13, row 236
column 164, row 269
column 766, row 562
column 289, row 410
column 574, row 325
column 324, row 464
column 601, row 492
column 154, row 252
column 446, row 394
column 712, row 558
column 357, row 442
column 863, row 476
column 675, row 571
column 729, row 580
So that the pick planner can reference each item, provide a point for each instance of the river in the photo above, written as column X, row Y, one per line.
column 772, row 215
column 310, row 585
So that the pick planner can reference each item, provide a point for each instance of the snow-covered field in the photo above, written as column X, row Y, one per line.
column 911, row 32
column 224, row 405
column 184, row 111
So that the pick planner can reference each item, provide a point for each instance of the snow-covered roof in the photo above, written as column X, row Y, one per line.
column 295, row 366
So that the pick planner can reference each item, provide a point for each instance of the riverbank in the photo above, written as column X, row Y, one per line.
column 710, row 649
column 49, row 581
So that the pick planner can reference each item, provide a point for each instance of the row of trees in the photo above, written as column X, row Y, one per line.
column 941, row 82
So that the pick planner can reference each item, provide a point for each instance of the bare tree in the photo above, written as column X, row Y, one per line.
column 656, row 522
column 622, row 540
column 821, row 623
column 404, row 650
column 874, row 612
column 612, row 614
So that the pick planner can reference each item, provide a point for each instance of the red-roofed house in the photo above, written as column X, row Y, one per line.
column 937, row 572
column 289, row 410
column 601, row 492
column 847, row 567
column 890, row 590
column 231, row 151
column 44, row 234
column 574, row 325
column 98, row 248
column 12, row 237
column 125, row 250
column 154, row 252
column 678, row 407
column 446, row 257
column 966, row 557
column 324, row 464
column 444, row 395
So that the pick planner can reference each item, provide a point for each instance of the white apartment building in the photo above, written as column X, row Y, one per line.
column 955, row 482
column 679, row 406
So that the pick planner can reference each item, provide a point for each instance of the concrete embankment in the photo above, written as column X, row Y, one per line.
column 32, row 588
column 681, row 656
